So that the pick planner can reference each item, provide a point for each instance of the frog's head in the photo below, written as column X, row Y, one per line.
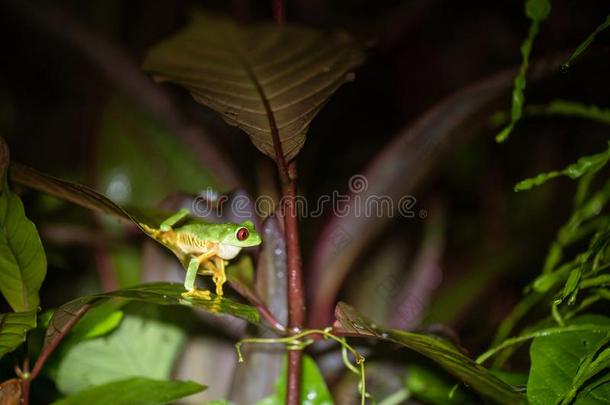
column 242, row 235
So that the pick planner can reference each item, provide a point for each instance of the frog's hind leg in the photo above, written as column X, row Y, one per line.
column 216, row 269
column 219, row 276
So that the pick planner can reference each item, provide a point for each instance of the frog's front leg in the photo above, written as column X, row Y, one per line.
column 174, row 219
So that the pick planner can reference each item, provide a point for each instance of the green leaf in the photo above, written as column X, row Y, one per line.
column 556, row 360
column 23, row 264
column 139, row 347
column 14, row 327
column 134, row 391
column 585, row 44
column 568, row 108
column 313, row 386
column 268, row 80
column 537, row 11
column 99, row 321
column 68, row 314
column 574, row 171
column 440, row 351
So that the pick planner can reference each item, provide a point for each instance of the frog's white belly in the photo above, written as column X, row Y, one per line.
column 227, row 252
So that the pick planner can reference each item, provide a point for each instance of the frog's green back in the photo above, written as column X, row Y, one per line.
column 222, row 233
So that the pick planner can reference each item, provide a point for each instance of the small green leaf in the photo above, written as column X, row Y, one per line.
column 440, row 351
column 134, row 391
column 571, row 285
column 268, row 80
column 537, row 11
column 139, row 347
column 14, row 327
column 313, row 386
column 574, row 171
column 23, row 264
column 566, row 108
column 585, row 44
column 555, row 362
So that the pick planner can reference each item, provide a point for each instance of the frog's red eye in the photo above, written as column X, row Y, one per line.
column 242, row 234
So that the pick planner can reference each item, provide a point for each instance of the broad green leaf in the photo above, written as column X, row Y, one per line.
column 268, row 80
column 555, row 362
column 14, row 327
column 133, row 391
column 313, row 386
column 537, row 11
column 23, row 264
column 68, row 314
column 440, row 351
column 574, row 171
column 99, row 321
column 138, row 347
column 585, row 44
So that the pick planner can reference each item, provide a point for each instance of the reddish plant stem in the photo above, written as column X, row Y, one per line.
column 296, row 302
column 279, row 12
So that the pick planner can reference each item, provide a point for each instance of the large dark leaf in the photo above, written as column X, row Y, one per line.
column 440, row 351
column 134, row 391
column 268, row 80
column 395, row 172
column 14, row 327
column 23, row 264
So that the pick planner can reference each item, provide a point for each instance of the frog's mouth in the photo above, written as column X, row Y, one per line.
column 227, row 252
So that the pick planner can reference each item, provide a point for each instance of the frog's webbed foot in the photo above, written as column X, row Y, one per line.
column 195, row 293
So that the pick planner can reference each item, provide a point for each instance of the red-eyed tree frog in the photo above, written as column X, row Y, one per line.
column 206, row 247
